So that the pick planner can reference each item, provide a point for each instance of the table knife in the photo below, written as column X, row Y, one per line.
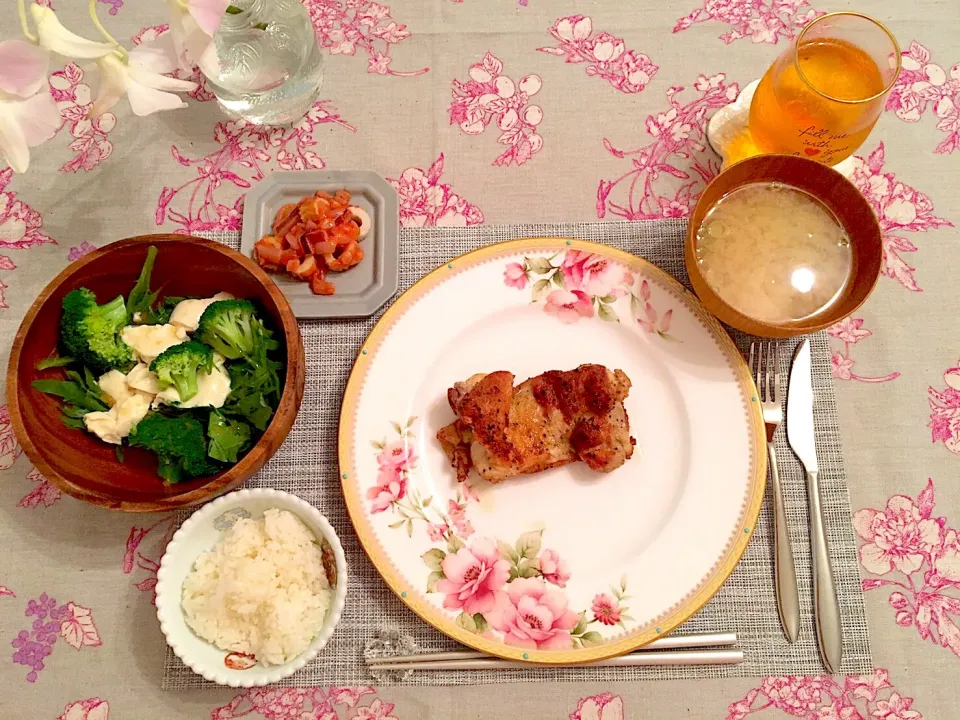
column 800, row 433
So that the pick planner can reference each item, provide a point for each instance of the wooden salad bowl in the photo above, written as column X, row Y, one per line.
column 840, row 196
column 79, row 463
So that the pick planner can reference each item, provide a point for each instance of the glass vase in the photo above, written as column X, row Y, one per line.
column 269, row 68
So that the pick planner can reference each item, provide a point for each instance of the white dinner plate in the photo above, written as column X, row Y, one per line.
column 566, row 565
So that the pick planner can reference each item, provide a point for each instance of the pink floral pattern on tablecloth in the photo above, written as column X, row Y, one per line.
column 90, row 709
column 899, row 208
column 74, row 623
column 490, row 96
column 666, row 176
column 10, row 449
column 135, row 558
column 822, row 697
column 605, row 706
column 20, row 225
column 343, row 27
column 6, row 592
column 763, row 21
column 945, row 410
column 606, row 56
column 427, row 202
column 245, row 155
column 322, row 703
column 78, row 251
column 850, row 331
column 917, row 555
column 924, row 85
column 44, row 494
column 74, row 100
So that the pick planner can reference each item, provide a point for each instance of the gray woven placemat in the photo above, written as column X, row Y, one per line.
column 306, row 465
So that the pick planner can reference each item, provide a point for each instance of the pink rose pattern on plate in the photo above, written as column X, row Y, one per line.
column 322, row 703
column 396, row 460
column 924, row 85
column 245, row 150
column 763, row 21
column 344, row 27
column 899, row 208
column 90, row 709
column 427, row 202
column 905, row 540
column 584, row 285
column 490, row 96
column 606, row 55
column 822, row 697
column 851, row 331
column 513, row 592
column 666, row 177
column 945, row 410
column 72, row 622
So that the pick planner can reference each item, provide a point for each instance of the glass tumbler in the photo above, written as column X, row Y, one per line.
column 821, row 98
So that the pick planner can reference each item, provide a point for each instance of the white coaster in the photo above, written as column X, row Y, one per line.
column 730, row 122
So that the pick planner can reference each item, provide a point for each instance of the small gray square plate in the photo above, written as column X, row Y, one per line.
column 361, row 290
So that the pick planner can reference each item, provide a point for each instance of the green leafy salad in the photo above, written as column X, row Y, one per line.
column 193, row 380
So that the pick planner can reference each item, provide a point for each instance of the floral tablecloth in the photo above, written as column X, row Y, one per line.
column 498, row 111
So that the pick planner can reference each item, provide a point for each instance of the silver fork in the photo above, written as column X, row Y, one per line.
column 766, row 371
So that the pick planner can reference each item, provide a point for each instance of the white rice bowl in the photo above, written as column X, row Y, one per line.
column 261, row 590
column 244, row 576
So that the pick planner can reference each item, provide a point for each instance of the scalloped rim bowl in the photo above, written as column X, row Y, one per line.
column 198, row 535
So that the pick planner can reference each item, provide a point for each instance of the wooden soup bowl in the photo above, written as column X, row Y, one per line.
column 79, row 463
column 832, row 189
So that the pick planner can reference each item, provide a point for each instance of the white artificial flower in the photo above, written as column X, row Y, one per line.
column 23, row 68
column 192, row 31
column 28, row 114
column 56, row 38
column 25, row 123
column 141, row 78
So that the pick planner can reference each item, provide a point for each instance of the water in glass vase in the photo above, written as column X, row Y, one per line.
column 269, row 67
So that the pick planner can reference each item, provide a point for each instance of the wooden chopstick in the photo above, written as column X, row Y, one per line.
column 670, row 642
column 641, row 658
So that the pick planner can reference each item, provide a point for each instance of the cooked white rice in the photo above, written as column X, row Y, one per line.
column 261, row 590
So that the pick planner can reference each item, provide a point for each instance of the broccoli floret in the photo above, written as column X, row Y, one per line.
column 179, row 444
column 231, row 328
column 178, row 366
column 91, row 332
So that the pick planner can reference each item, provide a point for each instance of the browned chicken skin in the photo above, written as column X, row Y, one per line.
column 550, row 420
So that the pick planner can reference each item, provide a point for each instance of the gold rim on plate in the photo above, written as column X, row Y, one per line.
column 431, row 614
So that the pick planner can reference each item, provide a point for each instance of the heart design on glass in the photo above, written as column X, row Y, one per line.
column 811, row 152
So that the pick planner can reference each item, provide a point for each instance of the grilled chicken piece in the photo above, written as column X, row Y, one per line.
column 550, row 420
